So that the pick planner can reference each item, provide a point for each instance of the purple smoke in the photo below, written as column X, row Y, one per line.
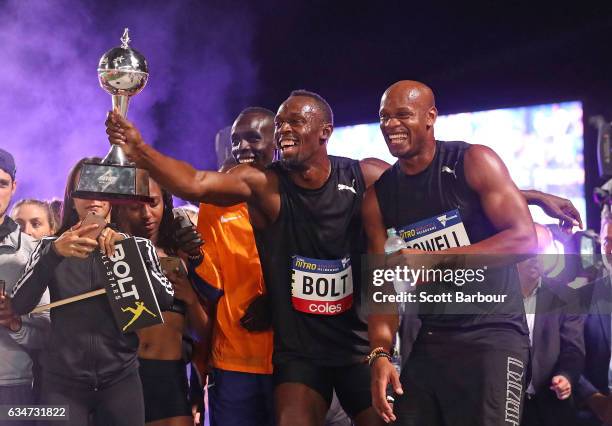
column 52, row 109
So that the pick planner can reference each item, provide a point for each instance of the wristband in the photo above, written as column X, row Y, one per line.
column 377, row 353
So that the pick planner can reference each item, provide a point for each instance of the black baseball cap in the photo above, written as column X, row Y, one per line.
column 7, row 163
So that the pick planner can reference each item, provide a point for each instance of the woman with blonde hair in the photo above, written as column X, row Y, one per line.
column 34, row 217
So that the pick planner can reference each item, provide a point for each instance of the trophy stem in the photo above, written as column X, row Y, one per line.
column 116, row 156
column 120, row 102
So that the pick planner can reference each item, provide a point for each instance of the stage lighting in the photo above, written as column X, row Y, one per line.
column 554, row 259
column 572, row 256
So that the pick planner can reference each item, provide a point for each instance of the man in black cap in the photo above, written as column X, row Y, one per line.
column 17, row 334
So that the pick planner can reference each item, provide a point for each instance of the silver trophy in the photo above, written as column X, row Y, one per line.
column 122, row 72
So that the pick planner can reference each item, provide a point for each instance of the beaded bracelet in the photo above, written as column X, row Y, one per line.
column 377, row 353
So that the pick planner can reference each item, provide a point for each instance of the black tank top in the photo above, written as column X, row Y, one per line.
column 308, row 256
column 420, row 206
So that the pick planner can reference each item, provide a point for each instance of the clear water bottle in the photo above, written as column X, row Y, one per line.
column 394, row 244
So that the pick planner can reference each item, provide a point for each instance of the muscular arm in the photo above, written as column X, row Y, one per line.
column 239, row 185
column 372, row 168
column 242, row 184
column 503, row 204
column 183, row 180
column 381, row 327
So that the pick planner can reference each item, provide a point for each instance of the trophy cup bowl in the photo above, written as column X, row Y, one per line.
column 123, row 73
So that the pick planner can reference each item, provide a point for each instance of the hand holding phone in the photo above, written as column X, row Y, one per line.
column 80, row 240
column 172, row 264
column 92, row 219
column 188, row 239
column 2, row 293
column 6, row 311
column 174, row 269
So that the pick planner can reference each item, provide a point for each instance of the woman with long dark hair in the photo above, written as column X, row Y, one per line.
column 89, row 365
column 161, row 350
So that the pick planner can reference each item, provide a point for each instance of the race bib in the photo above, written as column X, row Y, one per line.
column 440, row 232
column 321, row 287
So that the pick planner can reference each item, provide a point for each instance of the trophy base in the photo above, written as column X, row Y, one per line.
column 113, row 183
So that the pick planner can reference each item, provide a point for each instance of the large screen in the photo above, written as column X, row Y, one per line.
column 542, row 145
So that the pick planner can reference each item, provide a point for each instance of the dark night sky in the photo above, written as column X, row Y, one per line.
column 491, row 54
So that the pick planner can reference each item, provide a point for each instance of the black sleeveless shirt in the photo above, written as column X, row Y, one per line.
column 436, row 199
column 308, row 256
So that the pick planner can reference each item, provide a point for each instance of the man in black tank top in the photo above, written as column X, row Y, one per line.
column 463, row 369
column 305, row 211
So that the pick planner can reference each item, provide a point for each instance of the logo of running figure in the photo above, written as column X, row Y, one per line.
column 137, row 312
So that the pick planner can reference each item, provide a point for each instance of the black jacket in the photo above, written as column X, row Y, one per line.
column 86, row 348
column 558, row 342
column 597, row 340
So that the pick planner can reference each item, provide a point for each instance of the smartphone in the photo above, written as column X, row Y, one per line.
column 184, row 220
column 90, row 219
column 2, row 292
column 170, row 263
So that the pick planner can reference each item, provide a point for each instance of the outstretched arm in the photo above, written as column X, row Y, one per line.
column 503, row 205
column 181, row 178
column 556, row 207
